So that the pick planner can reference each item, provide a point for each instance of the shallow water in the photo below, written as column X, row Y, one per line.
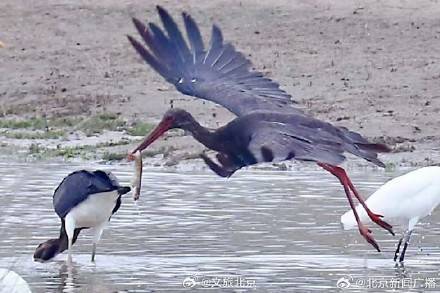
column 260, row 231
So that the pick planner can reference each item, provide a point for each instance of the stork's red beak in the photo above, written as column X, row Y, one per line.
column 160, row 129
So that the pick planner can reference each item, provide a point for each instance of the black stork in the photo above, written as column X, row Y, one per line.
column 268, row 127
column 84, row 199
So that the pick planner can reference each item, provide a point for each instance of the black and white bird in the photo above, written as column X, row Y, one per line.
column 84, row 199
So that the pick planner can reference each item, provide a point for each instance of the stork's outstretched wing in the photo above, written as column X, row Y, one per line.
column 218, row 73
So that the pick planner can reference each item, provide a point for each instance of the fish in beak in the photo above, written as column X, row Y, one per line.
column 160, row 129
column 137, row 180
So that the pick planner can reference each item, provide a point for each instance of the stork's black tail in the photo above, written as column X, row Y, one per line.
column 359, row 146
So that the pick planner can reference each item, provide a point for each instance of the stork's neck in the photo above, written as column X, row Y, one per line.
column 205, row 136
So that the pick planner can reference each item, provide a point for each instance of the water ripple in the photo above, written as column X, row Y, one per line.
column 278, row 229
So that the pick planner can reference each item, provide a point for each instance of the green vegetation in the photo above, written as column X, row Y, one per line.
column 60, row 127
column 108, row 156
column 35, row 149
column 97, row 124
column 38, row 123
column 139, row 128
column 32, row 123
column 84, row 151
column 57, row 127
column 41, row 152
column 64, row 122
column 166, row 151
column 390, row 166
column 51, row 134
column 112, row 143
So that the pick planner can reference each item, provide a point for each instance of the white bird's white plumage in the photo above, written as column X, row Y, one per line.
column 11, row 282
column 403, row 200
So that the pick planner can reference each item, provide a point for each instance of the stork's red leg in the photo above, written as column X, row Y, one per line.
column 373, row 216
column 342, row 176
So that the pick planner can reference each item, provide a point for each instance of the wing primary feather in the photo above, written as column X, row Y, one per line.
column 251, row 74
column 240, row 70
column 174, row 33
column 213, row 55
column 235, row 64
column 217, row 36
column 158, row 49
column 194, row 37
column 219, row 55
column 233, row 60
column 160, row 68
column 176, row 61
column 227, row 55
column 215, row 44
column 223, row 75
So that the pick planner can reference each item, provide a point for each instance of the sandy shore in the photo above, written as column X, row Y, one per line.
column 372, row 66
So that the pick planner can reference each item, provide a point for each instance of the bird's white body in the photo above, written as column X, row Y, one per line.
column 403, row 200
column 94, row 212
column 11, row 282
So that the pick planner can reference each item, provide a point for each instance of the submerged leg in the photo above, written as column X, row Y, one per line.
column 364, row 231
column 396, row 253
column 374, row 217
column 405, row 246
column 222, row 171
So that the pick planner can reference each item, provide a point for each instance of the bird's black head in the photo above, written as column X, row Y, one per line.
column 123, row 190
column 179, row 117
column 47, row 250
column 173, row 118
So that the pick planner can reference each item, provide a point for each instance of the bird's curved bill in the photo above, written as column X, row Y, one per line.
column 160, row 129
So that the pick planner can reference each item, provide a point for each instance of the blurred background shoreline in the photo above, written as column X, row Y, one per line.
column 72, row 88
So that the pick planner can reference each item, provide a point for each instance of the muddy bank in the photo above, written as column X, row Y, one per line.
column 371, row 66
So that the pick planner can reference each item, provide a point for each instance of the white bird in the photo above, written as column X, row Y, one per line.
column 11, row 282
column 403, row 200
column 83, row 200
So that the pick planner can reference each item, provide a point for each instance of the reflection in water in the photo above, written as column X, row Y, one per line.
column 73, row 278
column 67, row 277
column 400, row 270
column 278, row 229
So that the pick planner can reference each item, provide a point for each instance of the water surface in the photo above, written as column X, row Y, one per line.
column 263, row 231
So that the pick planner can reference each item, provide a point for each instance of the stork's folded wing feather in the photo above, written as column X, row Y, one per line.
column 218, row 73
column 274, row 141
column 77, row 186
column 309, row 139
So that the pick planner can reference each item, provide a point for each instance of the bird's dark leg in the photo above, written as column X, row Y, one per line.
column 364, row 231
column 405, row 246
column 374, row 217
column 225, row 161
column 396, row 253
column 223, row 171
